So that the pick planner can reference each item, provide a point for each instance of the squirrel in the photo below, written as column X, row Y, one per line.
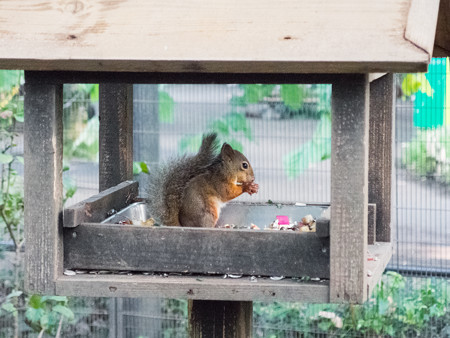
column 191, row 190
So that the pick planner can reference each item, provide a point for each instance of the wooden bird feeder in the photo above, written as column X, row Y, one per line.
column 354, row 45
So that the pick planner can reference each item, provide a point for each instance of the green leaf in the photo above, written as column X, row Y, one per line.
column 6, row 158
column 94, row 93
column 87, row 144
column 9, row 307
column 383, row 306
column 313, row 151
column 9, row 79
column 34, row 315
column 236, row 121
column 254, row 93
column 412, row 83
column 140, row 167
column 166, row 107
column 136, row 168
column 35, row 301
column 220, row 127
column 425, row 86
column 20, row 159
column 144, row 167
column 325, row 325
column 292, row 96
column 19, row 117
column 65, row 311
column 14, row 294
column 45, row 321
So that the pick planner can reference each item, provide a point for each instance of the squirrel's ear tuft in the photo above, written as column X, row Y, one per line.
column 227, row 152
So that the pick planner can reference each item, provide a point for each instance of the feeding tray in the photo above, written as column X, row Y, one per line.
column 107, row 245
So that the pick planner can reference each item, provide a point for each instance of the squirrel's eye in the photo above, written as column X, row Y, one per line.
column 245, row 165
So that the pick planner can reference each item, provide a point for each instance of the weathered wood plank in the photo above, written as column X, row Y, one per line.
column 193, row 287
column 115, row 134
column 371, row 223
column 178, row 77
column 442, row 40
column 381, row 254
column 421, row 24
column 195, row 250
column 43, row 186
column 381, row 135
column 217, row 319
column 299, row 36
column 349, row 184
column 96, row 208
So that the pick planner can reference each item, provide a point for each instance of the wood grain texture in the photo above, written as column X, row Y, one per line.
column 349, row 186
column 381, row 136
column 96, row 208
column 421, row 24
column 55, row 77
column 442, row 40
column 195, row 250
column 193, row 287
column 115, row 134
column 291, row 36
column 382, row 254
column 371, row 223
column 216, row 319
column 43, row 186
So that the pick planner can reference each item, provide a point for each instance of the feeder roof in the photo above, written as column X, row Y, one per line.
column 239, row 36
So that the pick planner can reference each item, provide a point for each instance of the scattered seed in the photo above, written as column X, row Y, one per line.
column 277, row 277
column 69, row 272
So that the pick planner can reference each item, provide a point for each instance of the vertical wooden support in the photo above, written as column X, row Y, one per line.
column 115, row 153
column 43, row 133
column 116, row 134
column 210, row 319
column 349, row 189
column 380, row 159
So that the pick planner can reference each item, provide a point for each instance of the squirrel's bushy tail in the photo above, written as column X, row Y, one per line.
column 167, row 183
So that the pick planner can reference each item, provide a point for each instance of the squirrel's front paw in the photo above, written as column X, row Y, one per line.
column 252, row 188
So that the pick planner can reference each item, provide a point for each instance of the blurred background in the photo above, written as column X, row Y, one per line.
column 285, row 132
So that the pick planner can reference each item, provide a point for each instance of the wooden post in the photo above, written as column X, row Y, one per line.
column 43, row 133
column 116, row 134
column 380, row 159
column 349, row 187
column 210, row 319
column 116, row 152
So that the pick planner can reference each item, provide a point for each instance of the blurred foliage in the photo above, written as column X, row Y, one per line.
column 412, row 83
column 230, row 128
column 166, row 106
column 311, row 152
column 396, row 309
column 46, row 314
column 140, row 167
column 428, row 154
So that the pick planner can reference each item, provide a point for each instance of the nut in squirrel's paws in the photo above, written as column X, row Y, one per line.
column 251, row 188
